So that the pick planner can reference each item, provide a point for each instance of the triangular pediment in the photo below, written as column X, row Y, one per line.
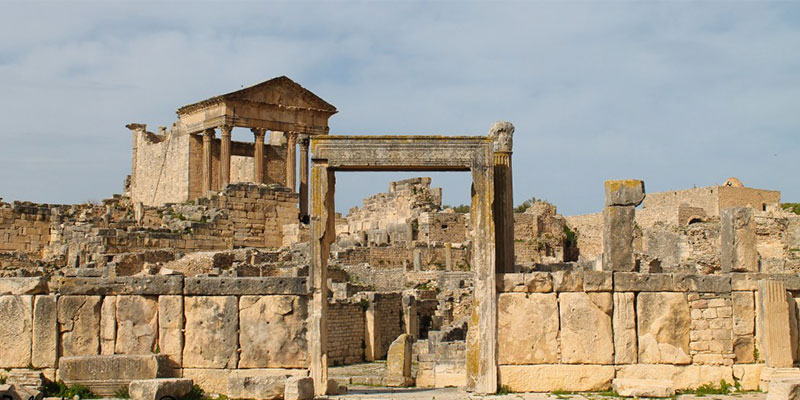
column 276, row 91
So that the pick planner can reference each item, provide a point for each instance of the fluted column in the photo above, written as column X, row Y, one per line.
column 304, row 177
column 225, row 157
column 291, row 162
column 258, row 155
column 208, row 137
column 502, row 133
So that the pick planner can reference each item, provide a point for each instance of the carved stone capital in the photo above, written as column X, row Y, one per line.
column 303, row 140
column 226, row 130
column 209, row 134
column 502, row 133
column 259, row 133
column 136, row 127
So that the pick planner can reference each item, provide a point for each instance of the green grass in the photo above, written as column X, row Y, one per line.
column 60, row 389
column 122, row 393
column 196, row 394
column 791, row 207
column 708, row 388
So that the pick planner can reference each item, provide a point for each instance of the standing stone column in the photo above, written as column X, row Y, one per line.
column 291, row 162
column 136, row 130
column 208, row 137
column 738, row 237
column 622, row 197
column 773, row 322
column 502, row 133
column 225, row 157
column 258, row 154
column 372, row 329
column 304, row 178
column 410, row 316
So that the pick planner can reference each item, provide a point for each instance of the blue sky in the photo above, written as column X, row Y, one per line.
column 678, row 94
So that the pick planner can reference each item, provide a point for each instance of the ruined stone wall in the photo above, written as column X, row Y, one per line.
column 692, row 329
column 401, row 257
column 24, row 228
column 589, row 229
column 161, row 173
column 539, row 235
column 706, row 198
column 442, row 227
column 758, row 199
column 206, row 327
column 346, row 329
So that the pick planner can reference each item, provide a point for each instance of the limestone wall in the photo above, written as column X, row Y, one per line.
column 589, row 229
column 539, row 235
column 346, row 325
column 578, row 330
column 430, row 258
column 442, row 227
column 206, row 327
column 161, row 171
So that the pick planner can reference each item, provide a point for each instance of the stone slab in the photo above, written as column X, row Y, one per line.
column 219, row 286
column 137, row 324
column 701, row 283
column 567, row 281
column 16, row 330
column 107, row 373
column 626, row 192
column 683, row 376
column 628, row 387
column 555, row 377
column 256, row 387
column 586, row 334
column 529, row 323
column 44, row 347
column 664, row 321
column 784, row 389
column 79, row 325
column 170, row 328
column 158, row 389
column 22, row 285
column 128, row 285
column 211, row 333
column 299, row 388
column 618, row 229
column 642, row 282
column 624, row 324
column 748, row 375
column 749, row 281
column 598, row 281
column 273, row 331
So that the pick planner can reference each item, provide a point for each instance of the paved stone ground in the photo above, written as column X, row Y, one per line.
column 369, row 393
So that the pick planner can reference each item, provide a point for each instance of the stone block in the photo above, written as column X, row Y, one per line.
column 16, row 330
column 398, row 360
column 548, row 378
column 598, row 281
column 529, row 323
column 299, row 388
column 744, row 313
column 44, row 347
column 618, row 238
column 642, row 282
column 538, row 282
column 701, row 283
column 23, row 286
column 628, row 192
column 158, row 389
column 273, row 331
column 664, row 321
column 738, row 251
column 211, row 286
column 137, row 324
column 128, row 285
column 624, row 324
column 107, row 373
column 586, row 335
column 748, row 375
column 108, row 325
column 769, row 374
column 682, row 376
column 567, row 281
column 12, row 392
column 170, row 328
column 211, row 332
column 79, row 325
column 784, row 389
column 628, row 387
column 744, row 349
column 256, row 387
column 773, row 324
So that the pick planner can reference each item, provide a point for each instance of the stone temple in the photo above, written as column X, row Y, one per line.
column 224, row 265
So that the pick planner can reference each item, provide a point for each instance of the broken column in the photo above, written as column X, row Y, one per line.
column 372, row 329
column 622, row 197
column 502, row 134
column 738, row 240
column 398, row 362
column 773, row 322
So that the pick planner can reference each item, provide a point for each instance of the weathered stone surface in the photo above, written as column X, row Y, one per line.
column 22, row 285
column 598, row 281
column 749, row 281
column 108, row 325
column 748, row 375
column 273, row 331
column 683, row 376
column 773, row 323
column 44, row 346
column 16, row 314
column 157, row 389
column 137, row 324
column 299, row 388
column 784, row 389
column 398, row 359
column 170, row 328
column 105, row 374
column 256, row 387
column 15, row 392
column 664, row 321
column 628, row 387
column 529, row 323
column 701, row 283
column 586, row 336
column 642, row 282
column 548, row 378
column 769, row 374
column 245, row 286
column 628, row 192
column 618, row 238
column 128, row 285
column 567, row 281
column 625, row 348
column 738, row 239
column 79, row 324
column 211, row 332
column 744, row 349
column 744, row 313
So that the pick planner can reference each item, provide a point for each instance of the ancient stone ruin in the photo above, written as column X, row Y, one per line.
column 218, row 267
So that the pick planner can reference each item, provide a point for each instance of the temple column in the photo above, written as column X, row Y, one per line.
column 225, row 157
column 208, row 137
column 258, row 155
column 502, row 134
column 291, row 162
column 304, row 177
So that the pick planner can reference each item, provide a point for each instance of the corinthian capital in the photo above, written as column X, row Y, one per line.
column 502, row 133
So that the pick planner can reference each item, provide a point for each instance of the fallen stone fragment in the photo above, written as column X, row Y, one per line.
column 643, row 387
column 157, row 389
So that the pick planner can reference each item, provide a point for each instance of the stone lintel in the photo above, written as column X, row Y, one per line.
column 23, row 285
column 702, row 283
column 749, row 281
column 224, row 286
column 642, row 282
column 133, row 285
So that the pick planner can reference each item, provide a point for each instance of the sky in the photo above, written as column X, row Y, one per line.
column 679, row 94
